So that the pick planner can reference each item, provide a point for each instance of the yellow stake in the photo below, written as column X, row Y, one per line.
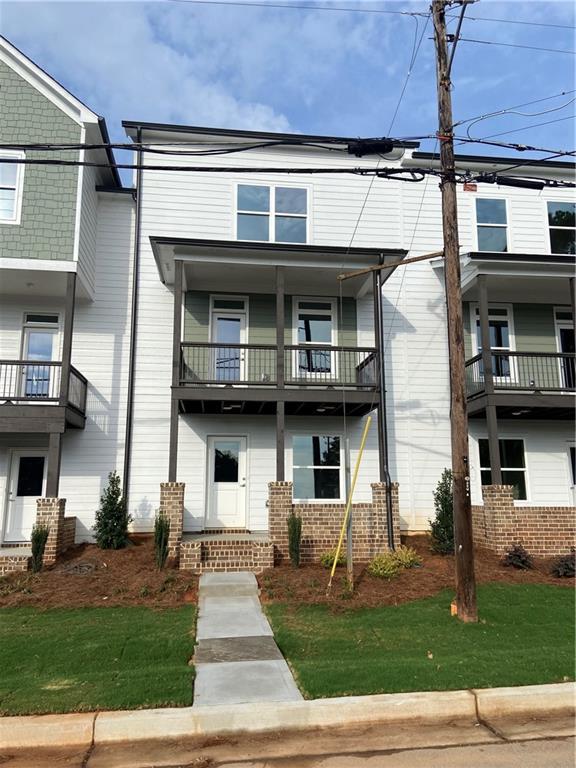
column 349, row 502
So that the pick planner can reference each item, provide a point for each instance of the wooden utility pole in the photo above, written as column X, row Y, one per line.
column 463, row 543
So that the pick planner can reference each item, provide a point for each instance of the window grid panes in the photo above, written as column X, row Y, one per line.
column 316, row 464
column 272, row 214
column 8, row 189
column 499, row 326
column 562, row 225
column 512, row 464
column 491, row 225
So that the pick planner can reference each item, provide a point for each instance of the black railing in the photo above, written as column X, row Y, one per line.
column 27, row 381
column 255, row 365
column 522, row 371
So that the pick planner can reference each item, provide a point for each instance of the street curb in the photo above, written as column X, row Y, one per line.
column 427, row 707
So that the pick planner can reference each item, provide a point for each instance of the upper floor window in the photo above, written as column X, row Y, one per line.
column 492, row 225
column 562, row 224
column 11, row 177
column 272, row 214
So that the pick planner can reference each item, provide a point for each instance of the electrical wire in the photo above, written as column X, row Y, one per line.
column 516, row 45
column 522, row 114
column 507, row 110
column 517, row 21
column 519, row 147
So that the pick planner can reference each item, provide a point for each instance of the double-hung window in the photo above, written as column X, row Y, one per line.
column 317, row 467
column 562, row 225
column 512, row 463
column 491, row 225
column 11, row 179
column 272, row 214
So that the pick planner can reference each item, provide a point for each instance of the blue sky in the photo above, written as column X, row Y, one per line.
column 309, row 71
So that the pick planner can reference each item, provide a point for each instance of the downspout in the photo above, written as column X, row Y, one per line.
column 133, row 322
column 382, row 416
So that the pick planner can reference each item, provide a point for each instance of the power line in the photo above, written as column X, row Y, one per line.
column 299, row 7
column 516, row 45
column 517, row 147
column 506, row 110
column 517, row 130
column 518, row 21
column 415, row 50
column 522, row 114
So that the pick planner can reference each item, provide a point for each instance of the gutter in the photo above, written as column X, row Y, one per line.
column 133, row 327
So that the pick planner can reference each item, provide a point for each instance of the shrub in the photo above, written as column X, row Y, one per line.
column 39, row 538
column 161, row 532
column 564, row 566
column 327, row 558
column 112, row 519
column 294, row 538
column 517, row 557
column 407, row 557
column 442, row 527
column 385, row 566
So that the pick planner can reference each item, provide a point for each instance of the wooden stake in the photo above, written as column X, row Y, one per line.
column 367, row 270
column 463, row 544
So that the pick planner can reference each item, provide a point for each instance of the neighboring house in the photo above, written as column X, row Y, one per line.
column 65, row 256
column 220, row 348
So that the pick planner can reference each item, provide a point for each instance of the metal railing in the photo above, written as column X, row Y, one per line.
column 522, row 371
column 203, row 363
column 28, row 381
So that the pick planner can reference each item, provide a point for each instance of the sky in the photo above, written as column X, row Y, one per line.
column 315, row 70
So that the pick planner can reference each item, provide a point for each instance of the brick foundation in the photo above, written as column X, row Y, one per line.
column 542, row 531
column 172, row 505
column 226, row 553
column 13, row 564
column 321, row 523
column 61, row 530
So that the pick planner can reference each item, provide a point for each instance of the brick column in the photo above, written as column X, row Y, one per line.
column 191, row 556
column 50, row 512
column 279, row 507
column 498, row 519
column 172, row 505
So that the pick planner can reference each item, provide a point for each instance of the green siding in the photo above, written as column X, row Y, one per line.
column 46, row 229
column 534, row 328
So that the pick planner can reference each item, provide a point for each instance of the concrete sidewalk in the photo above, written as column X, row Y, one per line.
column 236, row 659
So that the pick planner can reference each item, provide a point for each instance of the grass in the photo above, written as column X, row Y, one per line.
column 94, row 658
column 525, row 636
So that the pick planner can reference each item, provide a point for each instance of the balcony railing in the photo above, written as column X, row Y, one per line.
column 522, row 371
column 256, row 365
column 27, row 381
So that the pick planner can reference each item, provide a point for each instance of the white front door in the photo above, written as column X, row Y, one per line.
column 226, row 482
column 228, row 331
column 27, row 483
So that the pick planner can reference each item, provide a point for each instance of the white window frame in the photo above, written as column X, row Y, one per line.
column 474, row 307
column 311, row 344
column 271, row 214
column 520, row 502
column 560, row 323
column 341, row 469
column 550, row 227
column 18, row 189
column 502, row 226
column 55, row 327
column 571, row 480
column 246, row 340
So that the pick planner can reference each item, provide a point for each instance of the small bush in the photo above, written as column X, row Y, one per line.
column 442, row 527
column 565, row 566
column 327, row 558
column 112, row 519
column 384, row 566
column 407, row 557
column 517, row 557
column 161, row 532
column 39, row 538
column 294, row 538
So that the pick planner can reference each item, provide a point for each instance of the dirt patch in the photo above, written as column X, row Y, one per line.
column 88, row 576
column 308, row 584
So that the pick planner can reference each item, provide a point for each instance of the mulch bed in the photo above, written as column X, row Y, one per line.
column 308, row 584
column 88, row 576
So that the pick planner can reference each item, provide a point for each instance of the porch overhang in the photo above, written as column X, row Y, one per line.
column 250, row 266
column 524, row 405
column 39, row 419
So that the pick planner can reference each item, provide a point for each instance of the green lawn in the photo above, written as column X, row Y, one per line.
column 94, row 658
column 525, row 636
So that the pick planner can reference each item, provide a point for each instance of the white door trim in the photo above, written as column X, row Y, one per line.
column 15, row 454
column 242, row 315
column 241, row 520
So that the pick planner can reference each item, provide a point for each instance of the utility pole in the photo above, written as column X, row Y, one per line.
column 463, row 544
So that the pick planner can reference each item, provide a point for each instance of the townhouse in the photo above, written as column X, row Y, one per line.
column 211, row 354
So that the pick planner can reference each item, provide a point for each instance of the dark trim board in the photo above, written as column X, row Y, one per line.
column 535, row 406
column 532, row 258
column 42, row 419
column 498, row 160
column 253, row 394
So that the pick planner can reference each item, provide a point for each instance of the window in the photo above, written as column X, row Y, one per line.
column 317, row 465
column 314, row 325
column 491, row 221
column 11, row 177
column 30, row 476
column 499, row 324
column 572, row 454
column 40, row 345
column 562, row 224
column 512, row 463
column 272, row 214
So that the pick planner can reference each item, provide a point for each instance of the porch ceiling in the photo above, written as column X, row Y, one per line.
column 218, row 265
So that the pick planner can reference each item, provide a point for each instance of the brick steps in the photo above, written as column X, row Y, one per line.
column 14, row 559
column 207, row 553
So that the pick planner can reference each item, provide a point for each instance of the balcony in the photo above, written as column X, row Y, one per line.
column 528, row 384
column 33, row 398
column 252, row 378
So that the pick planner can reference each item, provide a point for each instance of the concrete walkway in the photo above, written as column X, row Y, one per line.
column 236, row 659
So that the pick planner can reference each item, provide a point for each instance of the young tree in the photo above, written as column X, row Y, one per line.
column 442, row 527
column 112, row 519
